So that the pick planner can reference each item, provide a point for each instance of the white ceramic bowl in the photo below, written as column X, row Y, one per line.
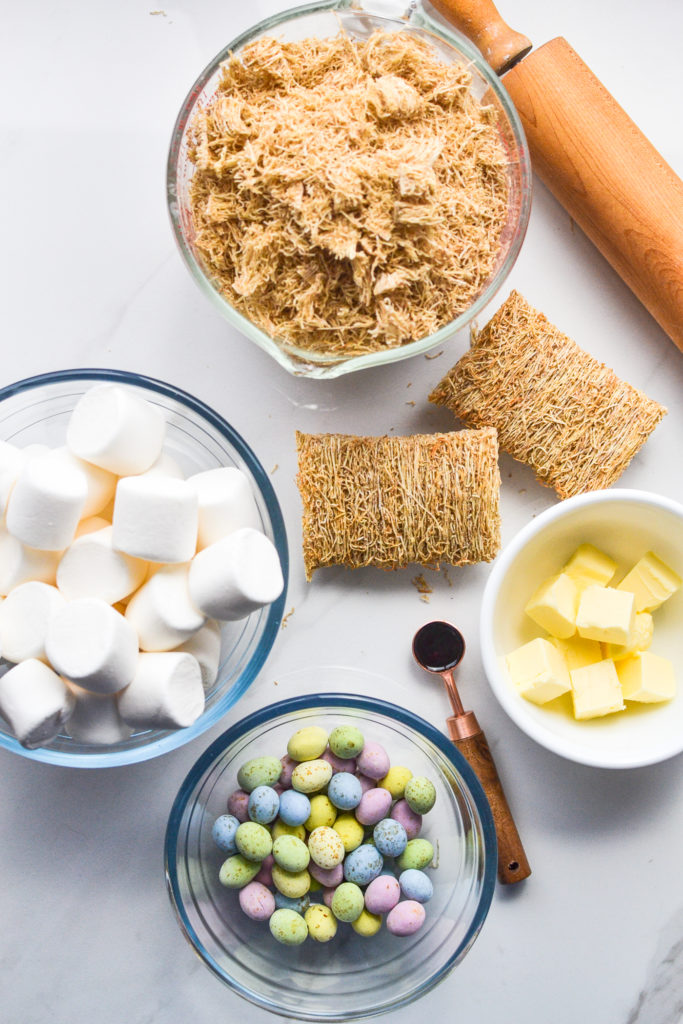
column 625, row 524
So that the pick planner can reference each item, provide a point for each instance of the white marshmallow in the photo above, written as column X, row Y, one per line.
column 161, row 611
column 91, row 568
column 155, row 518
column 35, row 702
column 205, row 646
column 166, row 692
column 165, row 465
column 95, row 718
column 226, row 503
column 100, row 484
column 236, row 575
column 20, row 564
column 113, row 427
column 11, row 461
column 46, row 503
column 92, row 645
column 91, row 525
column 24, row 615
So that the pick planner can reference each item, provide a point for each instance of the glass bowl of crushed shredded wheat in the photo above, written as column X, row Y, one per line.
column 348, row 188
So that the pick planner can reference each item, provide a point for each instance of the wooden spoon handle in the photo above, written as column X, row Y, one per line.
column 479, row 20
column 512, row 863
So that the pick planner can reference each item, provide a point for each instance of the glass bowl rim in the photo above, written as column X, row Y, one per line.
column 331, row 700
column 178, row 737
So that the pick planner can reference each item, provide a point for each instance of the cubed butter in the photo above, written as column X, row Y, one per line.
column 538, row 671
column 589, row 565
column 606, row 614
column 578, row 651
column 596, row 690
column 647, row 677
column 554, row 606
column 640, row 640
column 652, row 582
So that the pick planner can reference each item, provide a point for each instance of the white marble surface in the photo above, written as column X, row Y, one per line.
column 90, row 277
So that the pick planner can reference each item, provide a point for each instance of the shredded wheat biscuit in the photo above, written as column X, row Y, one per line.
column 393, row 501
column 555, row 407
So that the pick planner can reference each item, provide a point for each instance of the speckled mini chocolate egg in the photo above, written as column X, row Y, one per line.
column 390, row 837
column 257, row 901
column 363, row 864
column 329, row 878
column 346, row 741
column 253, row 841
column 382, row 894
column 259, row 771
column 288, row 927
column 264, row 804
column 291, row 853
column 411, row 821
column 326, row 847
column 223, row 832
column 396, row 780
column 295, row 808
column 367, row 924
column 311, row 776
column 417, row 854
column 328, row 895
column 374, row 805
column 238, row 805
column 344, row 791
column 265, row 875
column 279, row 828
column 323, row 812
column 347, row 902
column 416, row 885
column 299, row 906
column 373, row 760
column 321, row 923
column 339, row 764
column 366, row 783
column 420, row 794
column 406, row 918
column 288, row 766
column 237, row 872
column 289, row 883
column 350, row 830
column 307, row 744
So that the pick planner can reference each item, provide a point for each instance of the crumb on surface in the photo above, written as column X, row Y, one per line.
column 285, row 618
column 422, row 587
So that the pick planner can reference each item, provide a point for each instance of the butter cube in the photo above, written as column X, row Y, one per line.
column 652, row 581
column 596, row 690
column 647, row 677
column 554, row 606
column 590, row 565
column 577, row 651
column 640, row 639
column 606, row 614
column 538, row 671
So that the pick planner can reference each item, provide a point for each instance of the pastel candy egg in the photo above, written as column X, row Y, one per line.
column 289, row 883
column 363, row 864
column 326, row 847
column 310, row 776
column 339, row 764
column 396, row 780
column 411, row 821
column 346, row 741
column 347, row 902
column 374, row 805
column 288, row 766
column 253, row 841
column 237, row 872
column 420, row 794
column 406, row 918
column 390, row 837
column 295, row 808
column 417, row 854
column 263, row 805
column 307, row 744
column 367, row 924
column 373, row 761
column 281, row 829
column 382, row 894
column 300, row 905
column 416, row 885
column 328, row 896
column 288, row 927
column 366, row 783
column 238, row 805
column 330, row 878
column 315, row 884
column 323, row 812
column 350, row 830
column 344, row 791
column 265, row 875
column 257, row 901
column 321, row 923
column 260, row 771
column 291, row 853
column 223, row 832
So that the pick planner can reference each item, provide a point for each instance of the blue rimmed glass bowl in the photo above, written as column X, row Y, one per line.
column 37, row 410
column 349, row 977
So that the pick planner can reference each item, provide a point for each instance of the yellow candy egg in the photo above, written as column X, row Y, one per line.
column 396, row 780
column 311, row 776
column 350, row 831
column 291, row 883
column 307, row 744
column 367, row 924
column 280, row 829
column 326, row 847
column 323, row 812
column 321, row 922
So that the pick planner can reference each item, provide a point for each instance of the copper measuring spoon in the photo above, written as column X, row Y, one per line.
column 439, row 648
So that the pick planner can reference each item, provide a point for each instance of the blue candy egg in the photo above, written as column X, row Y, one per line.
column 416, row 885
column 300, row 905
column 223, row 832
column 264, row 804
column 363, row 864
column 295, row 808
column 344, row 791
column 390, row 837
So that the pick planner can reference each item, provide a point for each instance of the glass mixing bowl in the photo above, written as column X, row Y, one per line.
column 349, row 977
column 359, row 19
column 37, row 410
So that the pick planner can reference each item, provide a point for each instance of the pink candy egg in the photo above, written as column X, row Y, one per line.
column 265, row 875
column 329, row 877
column 257, row 901
column 339, row 764
column 406, row 917
column 373, row 760
column 288, row 766
column 328, row 896
column 238, row 804
column 374, row 805
column 407, row 817
column 382, row 894
column 365, row 782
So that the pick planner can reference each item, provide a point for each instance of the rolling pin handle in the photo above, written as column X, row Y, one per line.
column 479, row 20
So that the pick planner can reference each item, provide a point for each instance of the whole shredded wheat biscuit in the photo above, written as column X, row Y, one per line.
column 555, row 407
column 393, row 501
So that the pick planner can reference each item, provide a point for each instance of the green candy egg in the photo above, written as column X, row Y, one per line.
column 291, row 853
column 311, row 776
column 294, row 884
column 288, row 927
column 346, row 741
column 420, row 794
column 417, row 854
column 307, row 744
column 347, row 902
column 253, row 841
column 260, row 771
column 321, row 923
column 236, row 872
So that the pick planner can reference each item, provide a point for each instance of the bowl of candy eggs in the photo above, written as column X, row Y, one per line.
column 581, row 628
column 143, row 567
column 331, row 857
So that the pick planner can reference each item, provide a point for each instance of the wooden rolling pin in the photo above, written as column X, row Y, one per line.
column 593, row 158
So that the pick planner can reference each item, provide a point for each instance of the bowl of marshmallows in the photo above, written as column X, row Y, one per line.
column 143, row 567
